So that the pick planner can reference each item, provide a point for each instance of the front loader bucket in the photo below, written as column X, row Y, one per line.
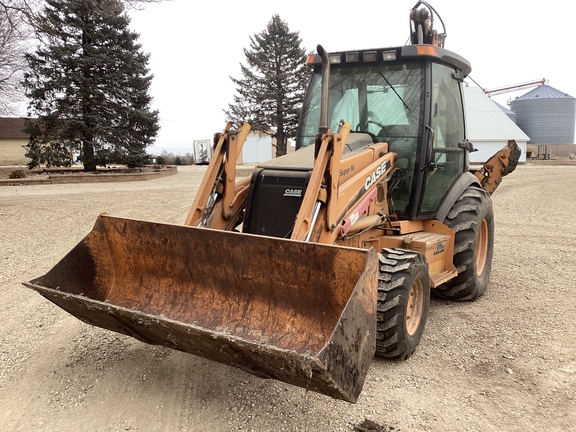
column 298, row 312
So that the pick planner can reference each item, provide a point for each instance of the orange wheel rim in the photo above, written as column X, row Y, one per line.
column 482, row 248
column 415, row 306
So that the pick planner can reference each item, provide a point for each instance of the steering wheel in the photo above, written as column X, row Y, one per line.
column 376, row 123
column 367, row 123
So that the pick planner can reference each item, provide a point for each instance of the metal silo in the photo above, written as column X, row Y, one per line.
column 546, row 115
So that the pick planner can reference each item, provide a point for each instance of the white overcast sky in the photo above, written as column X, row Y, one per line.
column 196, row 46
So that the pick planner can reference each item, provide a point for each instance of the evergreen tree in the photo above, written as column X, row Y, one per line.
column 271, row 92
column 88, row 84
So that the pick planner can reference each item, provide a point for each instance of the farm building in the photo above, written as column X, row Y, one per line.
column 12, row 141
column 489, row 127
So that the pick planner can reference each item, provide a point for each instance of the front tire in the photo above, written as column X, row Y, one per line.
column 472, row 219
column 403, row 302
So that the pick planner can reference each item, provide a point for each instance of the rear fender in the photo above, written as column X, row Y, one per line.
column 465, row 180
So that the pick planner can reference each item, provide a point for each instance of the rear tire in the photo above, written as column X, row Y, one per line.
column 472, row 219
column 403, row 302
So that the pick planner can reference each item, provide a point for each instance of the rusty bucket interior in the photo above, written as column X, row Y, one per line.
column 298, row 312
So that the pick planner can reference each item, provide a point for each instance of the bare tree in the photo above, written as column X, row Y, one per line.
column 13, row 37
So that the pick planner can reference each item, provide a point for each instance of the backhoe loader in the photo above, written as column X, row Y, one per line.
column 321, row 258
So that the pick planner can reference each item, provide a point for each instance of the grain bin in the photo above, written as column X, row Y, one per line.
column 546, row 115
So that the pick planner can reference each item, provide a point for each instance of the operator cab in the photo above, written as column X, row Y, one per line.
column 410, row 97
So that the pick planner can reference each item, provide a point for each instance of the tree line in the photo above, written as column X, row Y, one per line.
column 87, row 81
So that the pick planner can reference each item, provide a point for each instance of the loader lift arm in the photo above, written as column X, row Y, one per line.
column 220, row 199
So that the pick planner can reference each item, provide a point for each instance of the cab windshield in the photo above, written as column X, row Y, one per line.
column 384, row 100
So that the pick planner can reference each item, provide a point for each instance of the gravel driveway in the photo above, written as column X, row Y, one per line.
column 506, row 362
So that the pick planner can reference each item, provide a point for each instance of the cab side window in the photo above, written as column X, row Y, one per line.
column 447, row 123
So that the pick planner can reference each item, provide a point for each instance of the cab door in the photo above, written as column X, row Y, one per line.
column 444, row 159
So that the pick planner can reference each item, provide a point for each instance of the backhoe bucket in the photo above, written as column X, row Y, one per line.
column 298, row 312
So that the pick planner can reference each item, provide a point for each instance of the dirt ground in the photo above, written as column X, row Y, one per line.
column 506, row 362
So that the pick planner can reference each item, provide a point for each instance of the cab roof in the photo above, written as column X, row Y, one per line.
column 383, row 55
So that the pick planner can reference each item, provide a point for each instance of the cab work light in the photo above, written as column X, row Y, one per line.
column 335, row 59
column 351, row 57
column 389, row 55
column 370, row 56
